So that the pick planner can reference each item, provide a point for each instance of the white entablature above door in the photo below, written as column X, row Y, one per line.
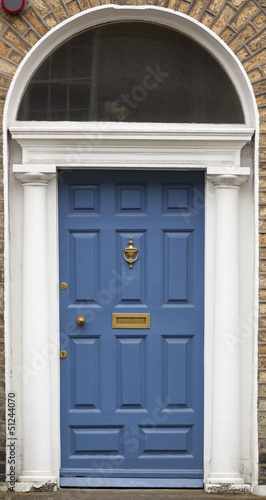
column 115, row 145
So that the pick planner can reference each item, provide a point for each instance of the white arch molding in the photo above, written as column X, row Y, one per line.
column 31, row 160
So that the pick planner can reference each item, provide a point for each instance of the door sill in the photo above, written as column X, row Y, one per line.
column 99, row 482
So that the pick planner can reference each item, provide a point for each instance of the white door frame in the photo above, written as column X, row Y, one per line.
column 36, row 152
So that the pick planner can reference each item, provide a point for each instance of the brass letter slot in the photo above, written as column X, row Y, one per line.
column 133, row 320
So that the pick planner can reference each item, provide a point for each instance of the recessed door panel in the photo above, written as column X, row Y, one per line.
column 177, row 271
column 134, row 279
column 85, row 278
column 84, row 199
column 90, row 442
column 132, row 254
column 131, row 373
column 131, row 199
column 176, row 441
column 85, row 373
column 177, row 365
column 177, row 200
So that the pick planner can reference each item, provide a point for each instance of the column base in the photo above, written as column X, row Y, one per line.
column 36, row 480
column 259, row 490
column 226, row 483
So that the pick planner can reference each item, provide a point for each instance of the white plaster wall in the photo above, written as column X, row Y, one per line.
column 247, row 334
column 14, row 355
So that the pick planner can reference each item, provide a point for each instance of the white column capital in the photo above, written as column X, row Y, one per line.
column 227, row 180
column 34, row 178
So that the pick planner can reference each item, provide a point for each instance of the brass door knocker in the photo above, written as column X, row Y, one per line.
column 131, row 253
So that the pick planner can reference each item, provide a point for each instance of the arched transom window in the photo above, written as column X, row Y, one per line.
column 131, row 72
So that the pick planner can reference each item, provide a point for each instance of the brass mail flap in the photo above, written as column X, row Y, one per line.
column 133, row 320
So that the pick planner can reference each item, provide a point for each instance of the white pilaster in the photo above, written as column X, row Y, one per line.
column 37, row 437
column 225, row 450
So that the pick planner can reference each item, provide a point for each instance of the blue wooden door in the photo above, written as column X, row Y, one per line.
column 132, row 395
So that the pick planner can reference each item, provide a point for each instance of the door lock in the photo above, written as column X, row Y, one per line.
column 63, row 354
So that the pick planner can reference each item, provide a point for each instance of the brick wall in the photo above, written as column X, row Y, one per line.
column 242, row 25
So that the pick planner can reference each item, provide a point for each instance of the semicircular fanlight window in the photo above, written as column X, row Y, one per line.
column 131, row 72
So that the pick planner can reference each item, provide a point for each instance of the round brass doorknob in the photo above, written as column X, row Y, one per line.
column 80, row 321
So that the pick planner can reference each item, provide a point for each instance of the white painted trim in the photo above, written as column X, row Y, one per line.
column 124, row 129
column 123, row 146
column 255, row 325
